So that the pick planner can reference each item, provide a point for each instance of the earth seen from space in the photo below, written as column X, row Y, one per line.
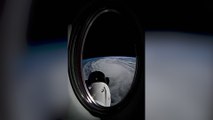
column 120, row 71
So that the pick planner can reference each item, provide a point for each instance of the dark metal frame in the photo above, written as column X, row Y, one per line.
column 80, row 29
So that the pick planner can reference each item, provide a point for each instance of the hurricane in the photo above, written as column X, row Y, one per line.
column 120, row 71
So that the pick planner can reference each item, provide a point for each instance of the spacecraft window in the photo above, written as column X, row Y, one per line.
column 108, row 49
column 104, row 59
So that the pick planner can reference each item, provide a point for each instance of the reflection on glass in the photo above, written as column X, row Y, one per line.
column 114, row 80
column 98, row 87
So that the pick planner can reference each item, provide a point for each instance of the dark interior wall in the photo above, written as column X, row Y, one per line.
column 47, row 21
column 49, row 18
column 183, row 16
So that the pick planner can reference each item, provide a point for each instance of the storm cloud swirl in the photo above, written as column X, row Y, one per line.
column 120, row 71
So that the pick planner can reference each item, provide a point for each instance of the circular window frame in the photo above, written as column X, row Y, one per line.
column 75, row 49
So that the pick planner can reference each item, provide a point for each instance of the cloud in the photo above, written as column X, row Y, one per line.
column 120, row 71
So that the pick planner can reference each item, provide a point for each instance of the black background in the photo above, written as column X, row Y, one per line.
column 181, row 16
column 111, row 34
column 49, row 18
